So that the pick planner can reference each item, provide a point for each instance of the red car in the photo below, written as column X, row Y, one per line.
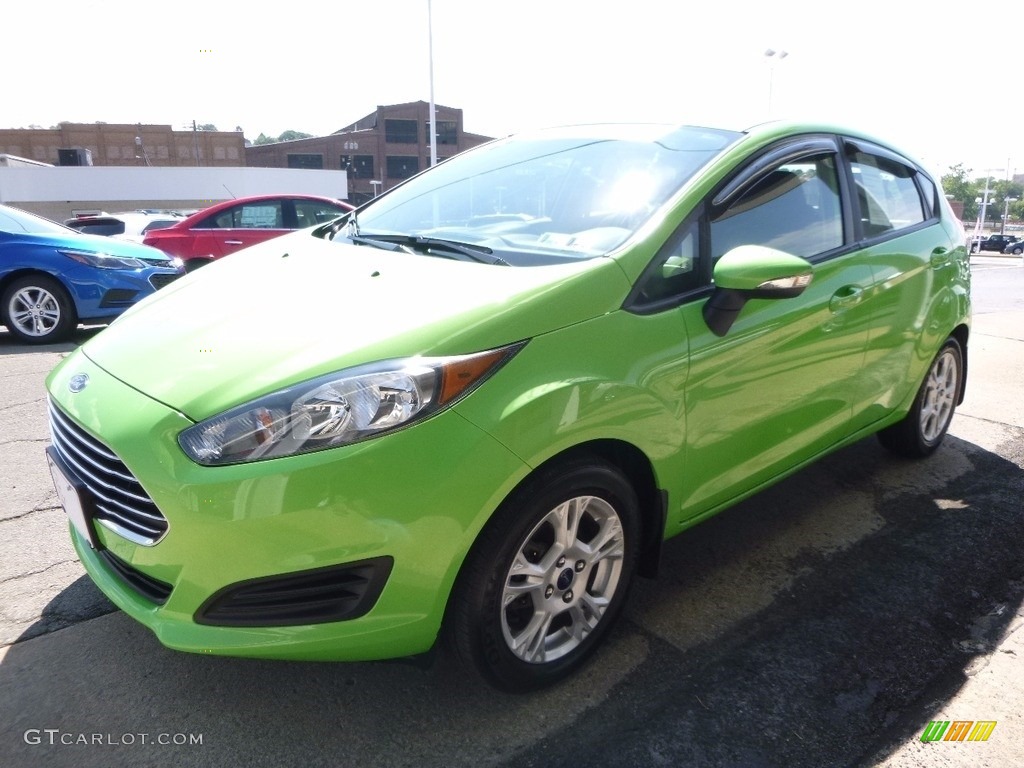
column 229, row 226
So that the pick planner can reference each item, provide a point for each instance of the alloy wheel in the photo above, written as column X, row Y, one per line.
column 562, row 579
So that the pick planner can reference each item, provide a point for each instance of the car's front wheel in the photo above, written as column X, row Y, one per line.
column 547, row 577
column 921, row 431
column 38, row 310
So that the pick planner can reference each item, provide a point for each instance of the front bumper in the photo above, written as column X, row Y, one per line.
column 411, row 503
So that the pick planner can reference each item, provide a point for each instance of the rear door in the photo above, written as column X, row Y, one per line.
column 912, row 301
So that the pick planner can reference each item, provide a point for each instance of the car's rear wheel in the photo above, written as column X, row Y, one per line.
column 548, row 576
column 38, row 310
column 925, row 426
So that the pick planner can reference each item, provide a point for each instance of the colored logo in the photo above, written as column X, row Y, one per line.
column 958, row 730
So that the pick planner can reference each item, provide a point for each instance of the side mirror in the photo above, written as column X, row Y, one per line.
column 676, row 265
column 753, row 272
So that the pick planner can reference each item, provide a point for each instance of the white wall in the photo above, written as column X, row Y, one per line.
column 57, row 189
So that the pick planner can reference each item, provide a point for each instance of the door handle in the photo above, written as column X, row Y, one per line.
column 940, row 257
column 846, row 298
column 232, row 242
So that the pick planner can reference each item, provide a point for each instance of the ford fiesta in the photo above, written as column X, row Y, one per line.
column 473, row 409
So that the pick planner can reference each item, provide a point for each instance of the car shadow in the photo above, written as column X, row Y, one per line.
column 866, row 586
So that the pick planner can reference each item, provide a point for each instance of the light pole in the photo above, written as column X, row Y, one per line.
column 984, row 200
column 433, row 111
column 772, row 56
column 1006, row 212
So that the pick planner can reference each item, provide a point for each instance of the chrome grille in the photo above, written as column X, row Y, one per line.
column 122, row 505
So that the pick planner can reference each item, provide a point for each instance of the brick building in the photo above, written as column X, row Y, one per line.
column 377, row 151
column 106, row 144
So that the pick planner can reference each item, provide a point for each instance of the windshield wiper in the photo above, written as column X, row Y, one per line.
column 449, row 248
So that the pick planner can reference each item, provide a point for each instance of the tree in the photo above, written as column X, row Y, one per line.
column 206, row 127
column 293, row 135
column 286, row 136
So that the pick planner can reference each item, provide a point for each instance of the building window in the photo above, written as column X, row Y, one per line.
column 447, row 132
column 402, row 166
column 362, row 166
column 358, row 166
column 305, row 161
column 400, row 131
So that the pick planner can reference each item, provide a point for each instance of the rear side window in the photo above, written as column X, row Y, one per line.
column 888, row 197
column 262, row 215
column 105, row 227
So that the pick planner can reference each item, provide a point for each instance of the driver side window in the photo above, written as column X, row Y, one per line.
column 794, row 208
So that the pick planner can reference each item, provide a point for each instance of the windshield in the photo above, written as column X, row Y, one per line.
column 545, row 197
column 15, row 221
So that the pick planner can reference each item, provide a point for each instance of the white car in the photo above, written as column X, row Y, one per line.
column 130, row 225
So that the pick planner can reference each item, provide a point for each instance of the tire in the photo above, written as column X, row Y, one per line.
column 38, row 310
column 922, row 430
column 547, row 577
column 1017, row 250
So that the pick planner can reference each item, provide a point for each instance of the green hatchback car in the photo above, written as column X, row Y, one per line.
column 473, row 409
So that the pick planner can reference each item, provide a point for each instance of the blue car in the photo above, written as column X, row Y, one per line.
column 52, row 278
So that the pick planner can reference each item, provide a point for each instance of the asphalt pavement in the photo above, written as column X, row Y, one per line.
column 827, row 621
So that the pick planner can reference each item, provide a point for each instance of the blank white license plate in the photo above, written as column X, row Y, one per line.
column 70, row 500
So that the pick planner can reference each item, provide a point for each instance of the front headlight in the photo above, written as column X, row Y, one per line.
column 340, row 408
column 103, row 260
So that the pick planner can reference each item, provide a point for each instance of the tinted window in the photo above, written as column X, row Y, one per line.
column 400, row 132
column 310, row 212
column 263, row 215
column 402, row 167
column 362, row 166
column 105, row 227
column 674, row 271
column 887, row 195
column 928, row 193
column 794, row 208
column 305, row 160
column 159, row 224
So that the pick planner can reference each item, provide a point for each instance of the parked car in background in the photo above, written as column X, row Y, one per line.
column 52, row 278
column 1016, row 248
column 128, row 225
column 230, row 226
column 472, row 410
column 996, row 243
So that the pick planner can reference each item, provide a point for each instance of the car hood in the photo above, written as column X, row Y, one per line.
column 91, row 244
column 298, row 307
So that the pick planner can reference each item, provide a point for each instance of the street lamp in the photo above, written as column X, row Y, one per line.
column 1006, row 212
column 984, row 200
column 772, row 56
column 376, row 184
column 433, row 108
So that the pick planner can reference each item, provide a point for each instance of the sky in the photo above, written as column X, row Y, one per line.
column 908, row 73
